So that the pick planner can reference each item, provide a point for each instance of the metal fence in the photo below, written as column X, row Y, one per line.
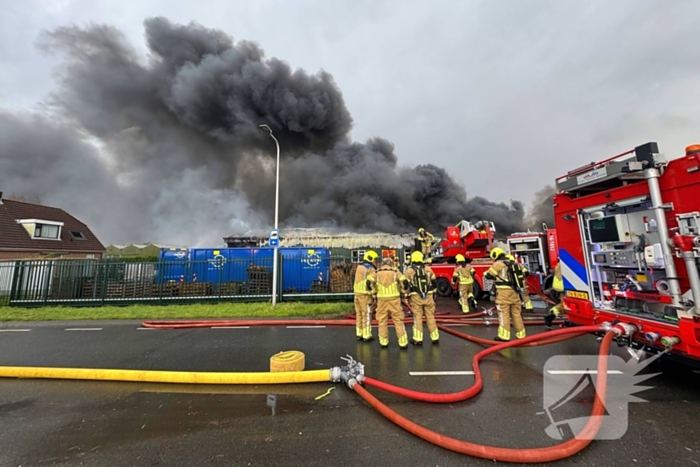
column 96, row 283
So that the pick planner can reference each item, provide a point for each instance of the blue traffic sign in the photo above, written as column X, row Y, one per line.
column 274, row 238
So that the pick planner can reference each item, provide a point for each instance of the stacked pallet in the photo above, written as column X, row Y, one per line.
column 319, row 286
column 195, row 289
column 341, row 281
column 259, row 280
column 128, row 289
column 231, row 288
column 169, row 289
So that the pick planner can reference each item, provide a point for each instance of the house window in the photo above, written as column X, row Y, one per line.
column 78, row 235
column 357, row 256
column 89, row 256
column 47, row 231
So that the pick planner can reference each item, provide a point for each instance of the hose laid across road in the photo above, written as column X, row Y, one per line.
column 181, row 377
column 478, row 382
column 496, row 453
column 466, row 319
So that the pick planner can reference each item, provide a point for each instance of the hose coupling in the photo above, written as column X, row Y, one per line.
column 625, row 329
column 652, row 336
column 336, row 374
column 354, row 371
column 669, row 342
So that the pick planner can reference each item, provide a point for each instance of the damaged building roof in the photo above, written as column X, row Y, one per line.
column 325, row 239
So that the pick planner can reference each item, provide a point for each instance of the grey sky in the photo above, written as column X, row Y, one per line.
column 506, row 95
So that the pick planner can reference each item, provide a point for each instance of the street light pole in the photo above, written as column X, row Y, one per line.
column 268, row 130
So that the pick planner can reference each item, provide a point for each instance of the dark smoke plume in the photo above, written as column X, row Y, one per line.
column 168, row 148
column 542, row 209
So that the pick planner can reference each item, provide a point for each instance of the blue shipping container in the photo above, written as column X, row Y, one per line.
column 300, row 266
column 173, row 264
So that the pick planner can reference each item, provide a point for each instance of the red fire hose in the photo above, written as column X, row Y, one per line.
column 478, row 383
column 532, row 455
column 489, row 342
column 186, row 324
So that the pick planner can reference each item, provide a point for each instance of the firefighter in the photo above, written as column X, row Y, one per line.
column 422, row 284
column 363, row 297
column 426, row 240
column 558, row 286
column 388, row 285
column 522, row 274
column 508, row 290
column 464, row 275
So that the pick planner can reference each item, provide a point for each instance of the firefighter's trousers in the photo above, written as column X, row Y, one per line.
column 558, row 308
column 526, row 298
column 387, row 307
column 466, row 293
column 363, row 315
column 424, row 307
column 508, row 305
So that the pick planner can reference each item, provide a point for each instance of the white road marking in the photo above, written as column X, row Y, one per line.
column 230, row 327
column 15, row 330
column 305, row 327
column 582, row 372
column 439, row 373
column 145, row 329
column 83, row 329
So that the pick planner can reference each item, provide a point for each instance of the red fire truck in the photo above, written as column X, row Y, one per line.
column 538, row 252
column 471, row 240
column 629, row 238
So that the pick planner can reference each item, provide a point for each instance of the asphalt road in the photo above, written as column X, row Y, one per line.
column 50, row 422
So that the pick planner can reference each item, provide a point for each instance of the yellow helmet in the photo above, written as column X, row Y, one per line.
column 416, row 257
column 421, row 230
column 370, row 256
column 510, row 257
column 496, row 252
column 460, row 259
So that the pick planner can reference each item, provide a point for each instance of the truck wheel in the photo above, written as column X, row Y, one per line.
column 476, row 290
column 444, row 288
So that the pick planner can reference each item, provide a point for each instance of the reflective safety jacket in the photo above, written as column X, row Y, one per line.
column 427, row 240
column 504, row 275
column 558, row 283
column 361, row 275
column 465, row 275
column 386, row 282
column 416, row 288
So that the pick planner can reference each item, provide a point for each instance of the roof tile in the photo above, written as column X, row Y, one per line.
column 14, row 237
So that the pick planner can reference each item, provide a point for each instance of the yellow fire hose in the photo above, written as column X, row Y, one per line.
column 182, row 377
column 280, row 373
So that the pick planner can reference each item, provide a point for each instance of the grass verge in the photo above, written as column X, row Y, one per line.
column 195, row 311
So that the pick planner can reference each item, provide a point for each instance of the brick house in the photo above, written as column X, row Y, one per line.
column 32, row 231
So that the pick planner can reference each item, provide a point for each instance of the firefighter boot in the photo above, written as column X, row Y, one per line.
column 417, row 337
column 473, row 302
column 367, row 334
column 463, row 304
column 403, row 342
column 549, row 319
column 358, row 333
column 384, row 341
column 435, row 337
